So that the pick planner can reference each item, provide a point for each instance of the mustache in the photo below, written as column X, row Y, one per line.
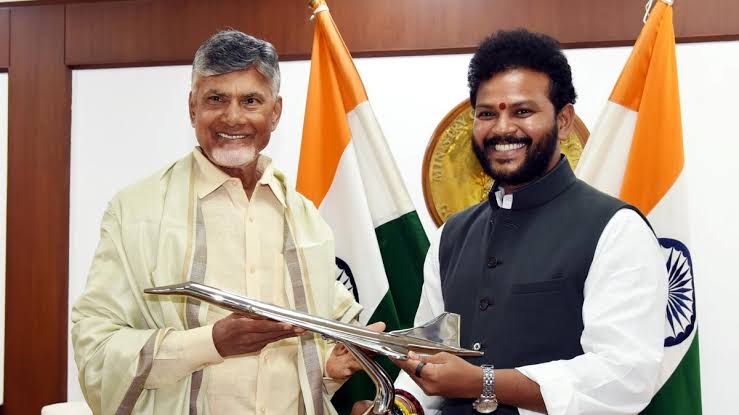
column 506, row 139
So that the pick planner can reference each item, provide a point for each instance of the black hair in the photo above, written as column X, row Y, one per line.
column 521, row 49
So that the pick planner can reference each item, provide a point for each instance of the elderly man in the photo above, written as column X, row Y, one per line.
column 224, row 216
column 563, row 287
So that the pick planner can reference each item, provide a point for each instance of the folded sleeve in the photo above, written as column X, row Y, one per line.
column 623, row 315
column 182, row 353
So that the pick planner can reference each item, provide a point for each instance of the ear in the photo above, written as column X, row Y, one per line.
column 276, row 112
column 191, row 108
column 565, row 122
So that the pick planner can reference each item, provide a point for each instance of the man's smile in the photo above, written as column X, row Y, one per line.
column 508, row 147
column 506, row 151
column 231, row 136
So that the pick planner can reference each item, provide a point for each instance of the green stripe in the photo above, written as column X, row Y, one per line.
column 681, row 394
column 403, row 245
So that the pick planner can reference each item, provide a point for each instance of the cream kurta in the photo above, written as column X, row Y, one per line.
column 244, row 254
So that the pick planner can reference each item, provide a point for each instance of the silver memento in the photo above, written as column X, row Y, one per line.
column 438, row 335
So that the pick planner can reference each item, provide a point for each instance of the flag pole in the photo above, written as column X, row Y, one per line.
column 314, row 4
column 316, row 7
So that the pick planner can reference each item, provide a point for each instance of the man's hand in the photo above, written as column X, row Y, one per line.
column 237, row 334
column 342, row 363
column 451, row 376
column 444, row 375
column 361, row 407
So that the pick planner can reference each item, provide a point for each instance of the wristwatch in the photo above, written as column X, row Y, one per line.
column 487, row 402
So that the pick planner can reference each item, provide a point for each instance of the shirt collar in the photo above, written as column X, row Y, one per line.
column 211, row 177
column 505, row 201
column 536, row 193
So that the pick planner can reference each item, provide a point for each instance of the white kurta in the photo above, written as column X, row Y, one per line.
column 625, row 296
column 147, row 240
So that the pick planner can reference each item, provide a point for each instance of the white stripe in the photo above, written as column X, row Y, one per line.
column 603, row 161
column 669, row 216
column 346, row 209
column 668, row 219
column 386, row 193
column 603, row 164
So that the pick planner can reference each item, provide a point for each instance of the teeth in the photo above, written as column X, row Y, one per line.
column 508, row 147
column 231, row 137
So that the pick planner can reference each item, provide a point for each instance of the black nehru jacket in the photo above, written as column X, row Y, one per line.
column 516, row 276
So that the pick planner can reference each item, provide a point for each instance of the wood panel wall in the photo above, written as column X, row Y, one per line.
column 169, row 31
column 4, row 39
column 39, row 121
column 41, row 41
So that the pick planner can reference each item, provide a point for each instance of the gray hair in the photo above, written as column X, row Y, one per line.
column 230, row 50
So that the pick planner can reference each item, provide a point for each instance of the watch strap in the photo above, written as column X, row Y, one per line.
column 488, row 381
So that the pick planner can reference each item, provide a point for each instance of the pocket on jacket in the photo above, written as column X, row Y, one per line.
column 538, row 287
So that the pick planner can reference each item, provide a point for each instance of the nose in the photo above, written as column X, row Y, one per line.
column 234, row 114
column 504, row 125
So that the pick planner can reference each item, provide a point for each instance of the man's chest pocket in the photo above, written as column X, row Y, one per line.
column 548, row 282
column 541, row 306
column 554, row 285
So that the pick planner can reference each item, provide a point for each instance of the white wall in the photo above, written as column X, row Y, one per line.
column 126, row 123
column 3, row 215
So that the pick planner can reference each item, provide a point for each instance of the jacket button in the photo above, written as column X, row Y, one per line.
column 476, row 347
column 484, row 304
column 492, row 262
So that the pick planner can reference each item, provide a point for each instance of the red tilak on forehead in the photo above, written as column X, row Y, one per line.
column 502, row 106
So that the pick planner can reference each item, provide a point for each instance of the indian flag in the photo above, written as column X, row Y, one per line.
column 347, row 170
column 636, row 153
